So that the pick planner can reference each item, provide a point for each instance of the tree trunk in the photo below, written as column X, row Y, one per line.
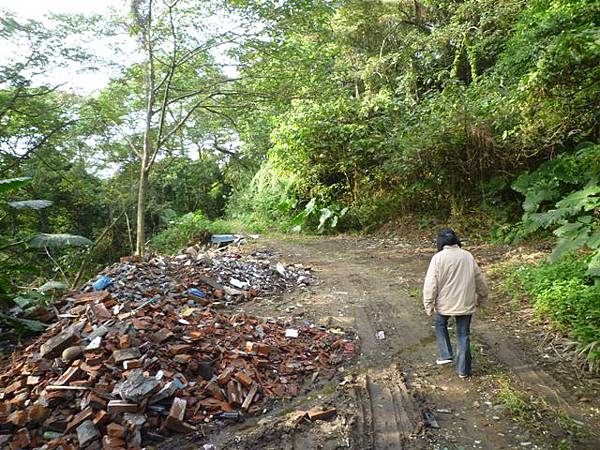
column 147, row 155
column 140, row 242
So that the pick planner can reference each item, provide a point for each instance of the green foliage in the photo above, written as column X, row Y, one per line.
column 516, row 403
column 14, row 266
column 13, row 183
column 429, row 107
column 191, row 228
column 329, row 215
column 564, row 195
column 563, row 293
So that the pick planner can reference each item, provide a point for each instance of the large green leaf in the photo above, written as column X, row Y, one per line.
column 583, row 199
column 10, row 184
column 593, row 269
column 58, row 240
column 552, row 217
column 22, row 326
column 33, row 204
column 572, row 240
column 325, row 214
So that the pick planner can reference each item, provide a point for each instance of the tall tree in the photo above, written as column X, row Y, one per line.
column 178, row 77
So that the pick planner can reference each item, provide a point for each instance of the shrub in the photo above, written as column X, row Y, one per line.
column 186, row 230
column 564, row 294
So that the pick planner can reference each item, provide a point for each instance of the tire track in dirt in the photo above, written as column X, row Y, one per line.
column 388, row 415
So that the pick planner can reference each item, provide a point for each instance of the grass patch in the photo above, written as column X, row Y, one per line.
column 515, row 402
column 534, row 413
column 563, row 294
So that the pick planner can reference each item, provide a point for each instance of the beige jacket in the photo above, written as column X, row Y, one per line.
column 454, row 284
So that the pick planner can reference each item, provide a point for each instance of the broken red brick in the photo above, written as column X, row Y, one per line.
column 69, row 375
column 14, row 387
column 86, row 414
column 17, row 418
column 124, row 341
column 117, row 406
column 116, row 430
column 21, row 439
column 140, row 324
column 132, row 364
column 244, row 379
column 38, row 413
column 33, row 380
column 179, row 348
column 175, row 419
column 161, row 335
column 101, row 418
column 113, row 443
column 95, row 401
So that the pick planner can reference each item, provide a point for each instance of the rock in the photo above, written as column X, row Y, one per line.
column 94, row 344
column 72, row 353
column 167, row 391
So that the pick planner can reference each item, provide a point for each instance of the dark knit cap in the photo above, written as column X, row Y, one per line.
column 447, row 236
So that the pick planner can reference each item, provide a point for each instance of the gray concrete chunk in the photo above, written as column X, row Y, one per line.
column 138, row 386
column 125, row 354
column 87, row 433
column 167, row 391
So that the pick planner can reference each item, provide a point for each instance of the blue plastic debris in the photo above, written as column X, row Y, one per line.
column 196, row 293
column 101, row 283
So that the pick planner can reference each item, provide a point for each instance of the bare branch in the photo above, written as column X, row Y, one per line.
column 132, row 145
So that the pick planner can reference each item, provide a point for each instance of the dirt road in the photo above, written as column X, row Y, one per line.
column 373, row 286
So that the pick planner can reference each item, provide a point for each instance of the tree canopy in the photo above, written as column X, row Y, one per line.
column 300, row 115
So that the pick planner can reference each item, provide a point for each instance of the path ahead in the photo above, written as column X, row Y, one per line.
column 374, row 286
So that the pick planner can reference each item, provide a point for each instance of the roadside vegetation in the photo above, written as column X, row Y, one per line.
column 565, row 297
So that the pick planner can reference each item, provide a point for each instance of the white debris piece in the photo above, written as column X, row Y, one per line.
column 291, row 333
column 281, row 270
column 238, row 283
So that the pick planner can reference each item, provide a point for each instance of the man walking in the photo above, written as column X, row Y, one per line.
column 454, row 286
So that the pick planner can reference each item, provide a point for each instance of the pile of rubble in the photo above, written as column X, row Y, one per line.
column 218, row 278
column 147, row 354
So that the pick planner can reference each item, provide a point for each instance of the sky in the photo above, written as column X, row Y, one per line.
column 36, row 9
column 75, row 79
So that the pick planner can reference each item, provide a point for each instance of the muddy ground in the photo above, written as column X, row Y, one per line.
column 522, row 393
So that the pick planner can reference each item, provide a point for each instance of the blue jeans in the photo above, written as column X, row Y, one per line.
column 463, row 338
